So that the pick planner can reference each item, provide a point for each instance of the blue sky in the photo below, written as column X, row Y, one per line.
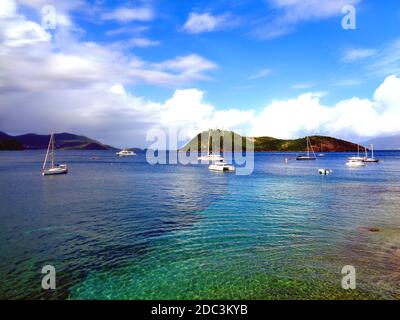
column 310, row 54
column 227, row 62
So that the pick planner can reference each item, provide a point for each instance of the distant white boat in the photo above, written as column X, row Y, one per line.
column 209, row 156
column 54, row 168
column 125, row 153
column 322, row 154
column 372, row 159
column 222, row 167
column 307, row 156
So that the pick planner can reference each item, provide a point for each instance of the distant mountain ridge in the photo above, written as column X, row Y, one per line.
column 65, row 141
column 384, row 143
column 319, row 143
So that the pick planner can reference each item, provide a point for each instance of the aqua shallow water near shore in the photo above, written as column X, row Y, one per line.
column 121, row 228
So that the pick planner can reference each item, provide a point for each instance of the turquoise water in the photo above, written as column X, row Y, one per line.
column 123, row 229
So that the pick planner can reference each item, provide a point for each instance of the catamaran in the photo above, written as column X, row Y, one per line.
column 125, row 153
column 54, row 168
column 210, row 157
column 358, row 158
column 308, row 155
column 356, row 161
column 222, row 167
column 372, row 159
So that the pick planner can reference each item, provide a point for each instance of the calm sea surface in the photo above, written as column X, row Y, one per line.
column 123, row 229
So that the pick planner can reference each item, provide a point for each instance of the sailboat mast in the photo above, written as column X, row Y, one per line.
column 312, row 149
column 308, row 147
column 52, row 148
column 47, row 154
column 372, row 150
column 208, row 145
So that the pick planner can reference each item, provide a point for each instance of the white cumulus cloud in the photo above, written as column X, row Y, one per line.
column 350, row 119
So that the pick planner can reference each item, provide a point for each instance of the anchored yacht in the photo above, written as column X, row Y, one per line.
column 54, row 168
column 125, row 153
column 372, row 159
column 222, row 167
column 307, row 156
column 209, row 156
column 355, row 162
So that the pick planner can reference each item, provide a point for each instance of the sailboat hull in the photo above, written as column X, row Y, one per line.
column 371, row 160
column 305, row 158
column 55, row 171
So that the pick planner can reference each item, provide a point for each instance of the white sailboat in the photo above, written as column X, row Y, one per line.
column 210, row 156
column 358, row 161
column 358, row 158
column 54, row 168
column 308, row 156
column 372, row 159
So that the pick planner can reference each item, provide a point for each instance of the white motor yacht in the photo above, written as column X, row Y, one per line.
column 125, row 153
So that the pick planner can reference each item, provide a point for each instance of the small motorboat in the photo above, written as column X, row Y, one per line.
column 222, row 167
column 125, row 153
column 54, row 168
